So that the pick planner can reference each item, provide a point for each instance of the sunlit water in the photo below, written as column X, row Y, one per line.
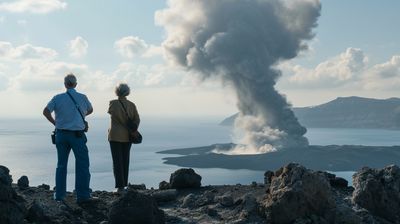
column 25, row 149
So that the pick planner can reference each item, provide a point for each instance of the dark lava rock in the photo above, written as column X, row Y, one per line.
column 12, row 208
column 378, row 191
column 5, row 177
column 185, row 178
column 165, row 195
column 339, row 182
column 23, row 182
column 164, row 185
column 44, row 186
column 137, row 186
column 268, row 176
column 296, row 193
column 189, row 201
column 226, row 200
column 134, row 207
column 335, row 181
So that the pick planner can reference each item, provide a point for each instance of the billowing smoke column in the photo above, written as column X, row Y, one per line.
column 240, row 41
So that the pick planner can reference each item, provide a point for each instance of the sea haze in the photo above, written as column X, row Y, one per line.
column 25, row 148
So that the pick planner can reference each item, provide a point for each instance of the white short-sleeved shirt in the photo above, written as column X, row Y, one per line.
column 66, row 114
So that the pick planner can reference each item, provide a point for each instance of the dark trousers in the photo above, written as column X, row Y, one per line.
column 120, row 152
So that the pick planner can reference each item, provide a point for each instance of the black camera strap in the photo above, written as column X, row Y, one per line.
column 77, row 107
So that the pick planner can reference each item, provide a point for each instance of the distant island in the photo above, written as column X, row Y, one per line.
column 347, row 112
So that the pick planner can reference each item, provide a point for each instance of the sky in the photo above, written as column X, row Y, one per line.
column 355, row 52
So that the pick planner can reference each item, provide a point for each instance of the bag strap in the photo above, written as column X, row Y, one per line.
column 126, row 113
column 77, row 106
column 123, row 107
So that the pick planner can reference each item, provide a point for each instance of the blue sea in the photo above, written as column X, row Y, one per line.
column 25, row 148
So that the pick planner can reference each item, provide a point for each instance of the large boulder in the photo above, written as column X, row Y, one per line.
column 378, row 191
column 135, row 208
column 23, row 182
column 12, row 208
column 296, row 193
column 185, row 178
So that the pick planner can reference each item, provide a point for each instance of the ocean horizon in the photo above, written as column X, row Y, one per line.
column 25, row 148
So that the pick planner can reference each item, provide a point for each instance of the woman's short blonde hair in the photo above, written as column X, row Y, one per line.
column 122, row 90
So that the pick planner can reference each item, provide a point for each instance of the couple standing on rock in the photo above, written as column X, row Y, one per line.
column 70, row 109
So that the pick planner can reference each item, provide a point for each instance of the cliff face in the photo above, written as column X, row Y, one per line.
column 348, row 112
column 291, row 194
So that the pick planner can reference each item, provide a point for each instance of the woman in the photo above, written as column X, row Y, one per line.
column 118, row 134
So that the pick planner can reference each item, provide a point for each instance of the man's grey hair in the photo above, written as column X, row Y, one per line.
column 70, row 80
column 122, row 90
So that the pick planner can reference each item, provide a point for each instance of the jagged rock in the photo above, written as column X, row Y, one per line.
column 165, row 195
column 134, row 207
column 211, row 212
column 346, row 215
column 136, row 186
column 164, row 185
column 23, row 182
column 185, row 178
column 44, row 186
column 267, row 178
column 296, row 193
column 378, row 191
column 189, row 201
column 339, row 182
column 5, row 177
column 249, row 203
column 37, row 212
column 12, row 208
column 226, row 200
column 335, row 181
column 209, row 196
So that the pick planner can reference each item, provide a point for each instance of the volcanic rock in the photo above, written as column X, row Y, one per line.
column 134, row 207
column 23, row 182
column 378, row 191
column 165, row 195
column 297, row 193
column 185, row 178
column 12, row 208
column 164, row 185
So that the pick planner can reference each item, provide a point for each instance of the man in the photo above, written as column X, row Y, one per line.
column 70, row 126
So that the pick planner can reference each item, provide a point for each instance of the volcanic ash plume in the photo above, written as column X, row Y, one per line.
column 240, row 41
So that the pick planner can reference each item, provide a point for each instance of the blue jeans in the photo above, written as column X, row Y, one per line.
column 65, row 141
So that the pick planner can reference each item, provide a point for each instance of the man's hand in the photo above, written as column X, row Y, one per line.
column 47, row 114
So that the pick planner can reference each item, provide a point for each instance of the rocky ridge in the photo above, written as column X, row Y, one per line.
column 291, row 194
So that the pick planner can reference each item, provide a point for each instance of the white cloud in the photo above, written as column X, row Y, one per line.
column 384, row 76
column 33, row 6
column 336, row 71
column 351, row 70
column 26, row 51
column 5, row 49
column 153, row 51
column 388, row 69
column 78, row 47
column 39, row 75
column 131, row 46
